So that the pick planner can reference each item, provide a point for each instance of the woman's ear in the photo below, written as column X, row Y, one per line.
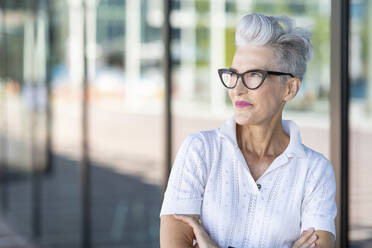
column 291, row 88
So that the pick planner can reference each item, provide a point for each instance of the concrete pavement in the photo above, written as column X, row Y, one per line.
column 11, row 239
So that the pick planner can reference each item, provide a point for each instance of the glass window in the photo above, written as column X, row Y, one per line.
column 360, row 191
column 45, row 61
column 125, row 123
column 18, row 118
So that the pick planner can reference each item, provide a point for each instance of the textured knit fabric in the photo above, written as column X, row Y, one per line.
column 210, row 177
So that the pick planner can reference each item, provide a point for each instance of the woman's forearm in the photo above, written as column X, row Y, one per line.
column 325, row 239
column 175, row 234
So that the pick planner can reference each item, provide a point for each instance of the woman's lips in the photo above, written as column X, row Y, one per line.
column 242, row 104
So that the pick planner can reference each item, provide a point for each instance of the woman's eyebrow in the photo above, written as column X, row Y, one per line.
column 232, row 69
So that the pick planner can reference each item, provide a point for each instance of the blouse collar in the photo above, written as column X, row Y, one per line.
column 294, row 148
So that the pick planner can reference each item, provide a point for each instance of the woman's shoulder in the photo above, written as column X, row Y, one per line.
column 203, row 137
column 203, row 144
column 317, row 161
column 312, row 154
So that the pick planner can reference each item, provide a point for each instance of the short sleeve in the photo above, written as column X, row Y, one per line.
column 187, row 180
column 319, row 204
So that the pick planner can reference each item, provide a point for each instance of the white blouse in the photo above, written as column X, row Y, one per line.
column 210, row 177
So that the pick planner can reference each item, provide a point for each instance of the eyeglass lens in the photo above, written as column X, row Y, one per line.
column 251, row 79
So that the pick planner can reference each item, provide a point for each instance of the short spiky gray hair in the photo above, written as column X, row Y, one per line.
column 291, row 44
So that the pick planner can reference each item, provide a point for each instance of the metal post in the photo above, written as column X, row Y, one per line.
column 167, row 72
column 345, row 93
column 85, row 163
column 217, row 55
column 3, row 141
column 49, row 109
column 35, row 179
column 339, row 100
column 369, row 60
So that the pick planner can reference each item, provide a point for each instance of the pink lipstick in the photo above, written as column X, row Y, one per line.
column 242, row 104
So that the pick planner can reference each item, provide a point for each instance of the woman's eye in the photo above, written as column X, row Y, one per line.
column 255, row 74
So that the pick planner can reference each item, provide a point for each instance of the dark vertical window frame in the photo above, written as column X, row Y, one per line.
column 167, row 72
column 339, row 111
column 4, row 123
column 35, row 173
column 49, row 109
column 345, row 93
column 85, row 163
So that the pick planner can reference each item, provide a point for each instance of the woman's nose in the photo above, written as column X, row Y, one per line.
column 240, row 88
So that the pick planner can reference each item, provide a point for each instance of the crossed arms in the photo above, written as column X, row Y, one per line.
column 178, row 233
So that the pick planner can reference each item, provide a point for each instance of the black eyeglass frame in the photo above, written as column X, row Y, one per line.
column 264, row 73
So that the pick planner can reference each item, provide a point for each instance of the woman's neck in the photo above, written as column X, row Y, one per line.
column 266, row 139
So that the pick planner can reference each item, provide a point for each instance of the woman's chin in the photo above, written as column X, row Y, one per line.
column 244, row 119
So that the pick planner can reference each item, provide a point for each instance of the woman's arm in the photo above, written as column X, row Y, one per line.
column 175, row 233
column 202, row 237
column 308, row 239
column 325, row 239
column 184, row 193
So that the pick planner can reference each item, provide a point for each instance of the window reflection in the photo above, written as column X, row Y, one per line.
column 361, row 124
column 44, row 48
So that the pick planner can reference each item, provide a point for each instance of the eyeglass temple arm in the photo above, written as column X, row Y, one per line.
column 280, row 73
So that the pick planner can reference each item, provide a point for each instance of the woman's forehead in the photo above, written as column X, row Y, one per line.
column 253, row 57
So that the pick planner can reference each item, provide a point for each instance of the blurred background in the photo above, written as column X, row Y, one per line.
column 87, row 161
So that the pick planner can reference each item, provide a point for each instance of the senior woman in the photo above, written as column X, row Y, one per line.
column 251, row 182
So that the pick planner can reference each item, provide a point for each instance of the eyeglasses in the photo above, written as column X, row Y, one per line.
column 252, row 79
